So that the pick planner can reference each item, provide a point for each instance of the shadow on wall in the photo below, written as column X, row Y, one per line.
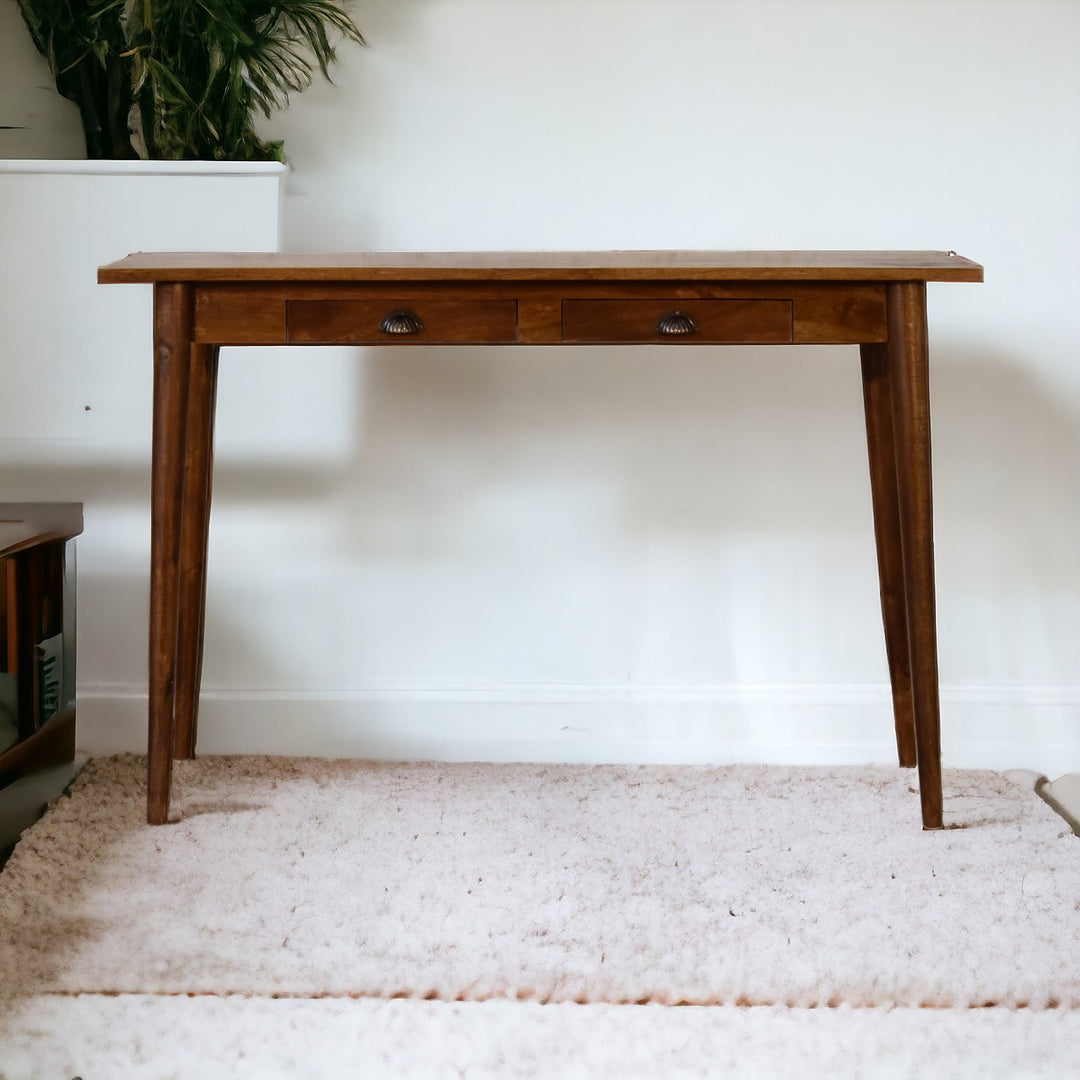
column 1007, row 515
column 545, row 454
column 734, row 439
column 633, row 441
column 745, row 440
column 1007, row 464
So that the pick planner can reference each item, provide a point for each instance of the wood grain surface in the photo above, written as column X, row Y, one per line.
column 543, row 266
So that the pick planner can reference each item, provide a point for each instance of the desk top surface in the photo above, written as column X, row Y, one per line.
column 236, row 267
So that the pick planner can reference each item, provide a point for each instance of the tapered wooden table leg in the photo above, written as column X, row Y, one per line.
column 173, row 318
column 909, row 379
column 194, row 537
column 881, row 450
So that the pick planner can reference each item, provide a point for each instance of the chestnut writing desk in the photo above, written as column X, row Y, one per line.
column 873, row 299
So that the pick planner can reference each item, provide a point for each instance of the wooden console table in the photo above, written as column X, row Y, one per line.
column 876, row 300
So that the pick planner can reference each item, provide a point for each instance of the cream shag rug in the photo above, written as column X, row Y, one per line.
column 741, row 885
column 212, row 1038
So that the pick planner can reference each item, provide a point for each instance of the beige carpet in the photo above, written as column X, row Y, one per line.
column 336, row 886
column 211, row 1038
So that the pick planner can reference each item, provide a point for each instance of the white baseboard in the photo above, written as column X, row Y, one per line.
column 995, row 727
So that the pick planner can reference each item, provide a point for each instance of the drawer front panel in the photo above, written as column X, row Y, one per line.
column 402, row 322
column 751, row 322
column 230, row 315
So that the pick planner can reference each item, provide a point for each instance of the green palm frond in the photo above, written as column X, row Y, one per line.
column 193, row 74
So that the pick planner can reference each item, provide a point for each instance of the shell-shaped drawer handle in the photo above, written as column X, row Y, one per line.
column 676, row 324
column 402, row 321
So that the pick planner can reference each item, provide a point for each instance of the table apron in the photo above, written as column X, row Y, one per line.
column 545, row 313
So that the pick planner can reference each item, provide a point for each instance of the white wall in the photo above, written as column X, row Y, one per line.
column 604, row 554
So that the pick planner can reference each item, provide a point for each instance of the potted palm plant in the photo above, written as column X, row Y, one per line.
column 177, row 80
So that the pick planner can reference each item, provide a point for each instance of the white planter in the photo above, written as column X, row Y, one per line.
column 75, row 362
column 76, row 375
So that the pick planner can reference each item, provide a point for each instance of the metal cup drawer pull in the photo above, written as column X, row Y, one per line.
column 402, row 321
column 676, row 324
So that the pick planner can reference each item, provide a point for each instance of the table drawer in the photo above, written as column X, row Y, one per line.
column 402, row 322
column 755, row 322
